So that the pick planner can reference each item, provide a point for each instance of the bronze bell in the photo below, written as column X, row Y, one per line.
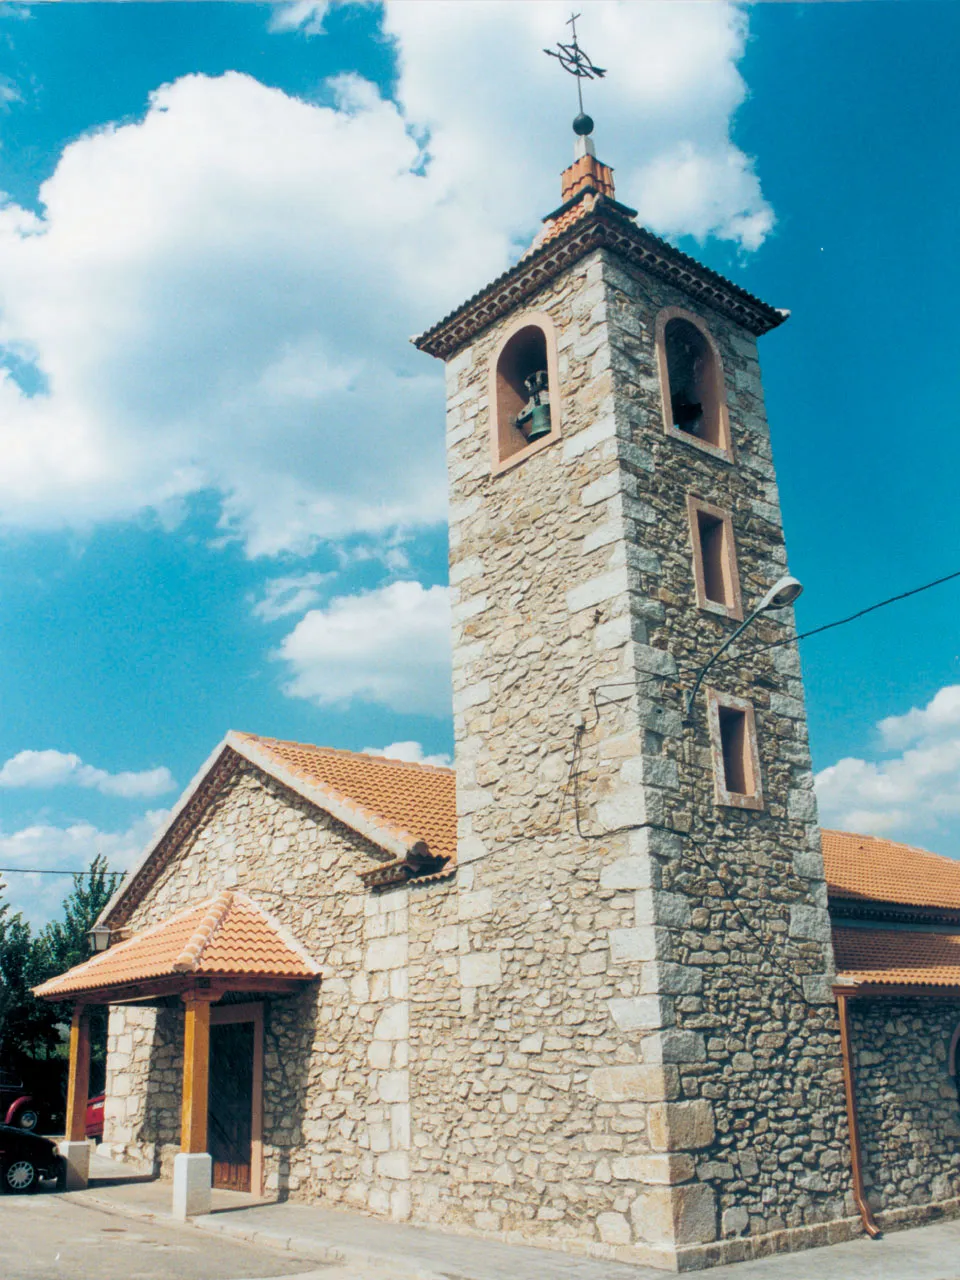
column 533, row 421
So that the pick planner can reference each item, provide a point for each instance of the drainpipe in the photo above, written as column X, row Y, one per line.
column 853, row 1124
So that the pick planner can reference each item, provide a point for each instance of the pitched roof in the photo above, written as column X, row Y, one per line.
column 225, row 936
column 589, row 219
column 417, row 803
column 870, row 869
column 407, row 810
column 896, row 957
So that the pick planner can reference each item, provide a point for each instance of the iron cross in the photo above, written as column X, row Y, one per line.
column 573, row 59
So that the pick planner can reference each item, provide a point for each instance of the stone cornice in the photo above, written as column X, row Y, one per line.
column 604, row 227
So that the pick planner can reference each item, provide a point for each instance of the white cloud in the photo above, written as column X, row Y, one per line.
column 305, row 16
column 217, row 297
column 663, row 111
column 72, row 848
column 390, row 646
column 64, row 768
column 285, row 596
column 938, row 720
column 915, row 791
column 411, row 752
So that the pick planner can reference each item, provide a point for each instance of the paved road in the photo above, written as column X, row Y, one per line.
column 89, row 1236
column 52, row 1237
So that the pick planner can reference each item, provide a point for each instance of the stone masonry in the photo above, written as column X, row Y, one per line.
column 660, row 995
column 336, row 1063
column 909, row 1117
column 609, row 1029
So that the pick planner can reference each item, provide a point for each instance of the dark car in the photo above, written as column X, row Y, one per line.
column 17, row 1105
column 25, row 1159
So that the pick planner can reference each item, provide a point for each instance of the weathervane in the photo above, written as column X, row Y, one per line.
column 573, row 59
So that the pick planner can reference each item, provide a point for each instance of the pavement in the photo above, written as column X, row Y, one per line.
column 341, row 1244
column 57, row 1237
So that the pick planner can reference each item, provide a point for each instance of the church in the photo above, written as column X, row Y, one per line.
column 604, row 987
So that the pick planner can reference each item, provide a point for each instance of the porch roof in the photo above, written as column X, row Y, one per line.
column 227, row 941
column 892, row 959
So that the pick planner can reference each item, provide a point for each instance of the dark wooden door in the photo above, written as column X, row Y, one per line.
column 231, row 1104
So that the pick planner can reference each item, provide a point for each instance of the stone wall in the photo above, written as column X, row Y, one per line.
column 656, row 1007
column 612, row 1030
column 336, row 1056
column 908, row 1105
column 144, row 1074
column 741, row 901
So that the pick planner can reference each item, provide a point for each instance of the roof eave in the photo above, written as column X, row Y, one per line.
column 852, row 988
column 175, row 813
column 359, row 819
column 603, row 227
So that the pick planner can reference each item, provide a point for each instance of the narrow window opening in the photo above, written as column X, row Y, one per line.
column 733, row 742
column 523, row 399
column 711, row 531
column 714, row 558
column 736, row 761
column 693, row 382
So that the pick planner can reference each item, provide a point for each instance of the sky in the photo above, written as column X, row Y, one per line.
column 222, row 503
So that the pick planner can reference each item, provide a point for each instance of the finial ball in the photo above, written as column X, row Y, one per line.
column 583, row 125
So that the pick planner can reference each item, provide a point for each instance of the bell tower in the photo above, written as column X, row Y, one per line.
column 646, row 1044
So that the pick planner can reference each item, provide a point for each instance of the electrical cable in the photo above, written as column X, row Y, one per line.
column 841, row 622
column 47, row 871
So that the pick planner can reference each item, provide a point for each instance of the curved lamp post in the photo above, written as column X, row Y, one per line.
column 783, row 592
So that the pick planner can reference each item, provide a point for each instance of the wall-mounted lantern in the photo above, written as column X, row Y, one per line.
column 99, row 938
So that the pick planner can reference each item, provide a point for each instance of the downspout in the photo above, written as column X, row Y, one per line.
column 853, row 1124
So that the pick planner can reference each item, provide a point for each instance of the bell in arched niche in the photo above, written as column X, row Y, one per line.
column 533, row 420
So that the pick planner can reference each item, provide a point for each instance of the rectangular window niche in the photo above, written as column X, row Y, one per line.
column 733, row 743
column 714, row 559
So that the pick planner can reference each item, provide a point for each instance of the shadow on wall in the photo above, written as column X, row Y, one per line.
column 160, row 1128
column 290, row 1025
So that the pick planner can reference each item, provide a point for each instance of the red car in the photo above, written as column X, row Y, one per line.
column 94, row 1126
column 18, row 1108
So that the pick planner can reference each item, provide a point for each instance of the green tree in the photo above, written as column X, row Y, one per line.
column 16, row 957
column 66, row 942
column 32, row 1039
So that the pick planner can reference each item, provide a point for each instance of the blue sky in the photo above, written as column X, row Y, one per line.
column 223, row 505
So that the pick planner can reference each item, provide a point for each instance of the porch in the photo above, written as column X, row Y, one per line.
column 220, row 960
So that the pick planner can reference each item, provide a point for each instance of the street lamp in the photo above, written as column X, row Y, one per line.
column 783, row 592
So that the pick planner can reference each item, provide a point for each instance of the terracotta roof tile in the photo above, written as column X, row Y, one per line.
column 615, row 227
column 897, row 957
column 225, row 935
column 562, row 222
column 415, row 800
column 586, row 171
column 867, row 868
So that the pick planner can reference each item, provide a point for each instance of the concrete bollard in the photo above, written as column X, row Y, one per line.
column 192, row 1185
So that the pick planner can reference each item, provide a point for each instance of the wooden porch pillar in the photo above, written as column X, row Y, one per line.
column 196, row 1072
column 78, row 1080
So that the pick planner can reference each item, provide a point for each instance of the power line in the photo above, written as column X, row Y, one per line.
column 842, row 622
column 46, row 871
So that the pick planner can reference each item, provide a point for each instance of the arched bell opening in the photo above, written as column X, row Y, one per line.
column 692, row 377
column 524, row 398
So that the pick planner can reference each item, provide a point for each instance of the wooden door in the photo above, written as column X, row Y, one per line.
column 231, row 1104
